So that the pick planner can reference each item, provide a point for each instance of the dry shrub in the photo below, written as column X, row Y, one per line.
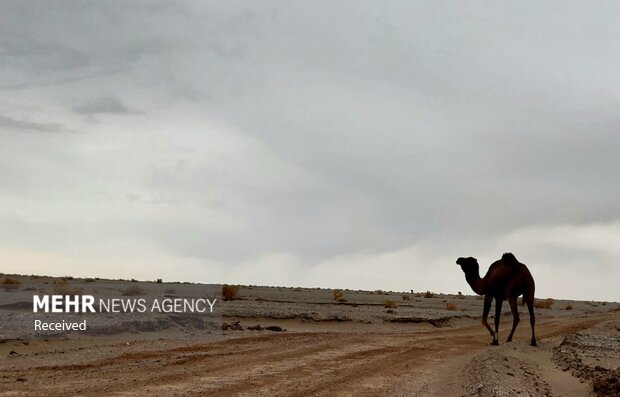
column 133, row 290
column 406, row 297
column 450, row 306
column 568, row 307
column 63, row 287
column 230, row 292
column 546, row 304
column 429, row 294
column 11, row 284
column 520, row 301
column 338, row 295
column 390, row 304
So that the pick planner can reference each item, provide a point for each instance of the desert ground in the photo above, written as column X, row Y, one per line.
column 308, row 342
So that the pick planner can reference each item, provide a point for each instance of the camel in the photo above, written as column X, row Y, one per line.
column 506, row 279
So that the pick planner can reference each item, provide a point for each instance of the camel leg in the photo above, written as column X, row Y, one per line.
column 530, row 309
column 512, row 300
column 485, row 314
column 498, row 315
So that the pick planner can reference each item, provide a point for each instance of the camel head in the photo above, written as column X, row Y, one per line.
column 469, row 265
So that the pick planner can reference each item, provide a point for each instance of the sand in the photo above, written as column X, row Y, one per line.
column 322, row 347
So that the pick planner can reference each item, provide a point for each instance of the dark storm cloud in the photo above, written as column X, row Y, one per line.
column 322, row 134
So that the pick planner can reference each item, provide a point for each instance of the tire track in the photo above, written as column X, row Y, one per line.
column 295, row 364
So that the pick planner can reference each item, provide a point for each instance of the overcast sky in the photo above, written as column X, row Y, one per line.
column 335, row 144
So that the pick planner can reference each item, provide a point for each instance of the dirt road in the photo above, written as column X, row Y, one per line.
column 419, row 363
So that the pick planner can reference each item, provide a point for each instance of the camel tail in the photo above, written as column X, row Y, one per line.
column 509, row 259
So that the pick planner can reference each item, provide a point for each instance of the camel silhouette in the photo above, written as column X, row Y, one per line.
column 506, row 279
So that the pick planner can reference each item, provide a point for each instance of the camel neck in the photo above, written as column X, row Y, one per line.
column 476, row 283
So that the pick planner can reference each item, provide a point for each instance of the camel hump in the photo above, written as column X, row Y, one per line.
column 509, row 259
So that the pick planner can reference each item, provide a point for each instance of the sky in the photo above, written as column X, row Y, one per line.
column 349, row 144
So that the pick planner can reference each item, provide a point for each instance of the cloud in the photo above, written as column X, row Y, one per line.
column 11, row 124
column 104, row 105
column 55, row 81
column 568, row 262
column 326, row 139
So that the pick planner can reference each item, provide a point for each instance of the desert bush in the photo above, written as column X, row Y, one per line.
column 63, row 287
column 546, row 304
column 568, row 307
column 406, row 297
column 133, row 290
column 89, row 280
column 429, row 294
column 11, row 284
column 230, row 292
column 450, row 306
column 159, row 281
column 520, row 301
column 338, row 295
column 390, row 304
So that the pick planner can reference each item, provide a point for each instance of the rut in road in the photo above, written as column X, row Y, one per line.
column 295, row 364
